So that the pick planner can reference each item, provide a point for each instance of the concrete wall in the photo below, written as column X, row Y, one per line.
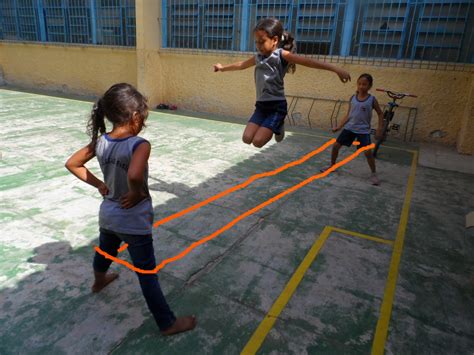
column 443, row 95
column 445, row 103
column 74, row 69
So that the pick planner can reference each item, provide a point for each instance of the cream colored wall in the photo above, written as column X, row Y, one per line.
column 2, row 74
column 191, row 84
column 465, row 142
column 72, row 69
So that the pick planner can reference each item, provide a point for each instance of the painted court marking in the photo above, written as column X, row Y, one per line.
column 271, row 317
column 237, row 219
column 381, row 331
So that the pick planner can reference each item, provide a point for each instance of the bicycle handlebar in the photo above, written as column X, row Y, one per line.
column 396, row 95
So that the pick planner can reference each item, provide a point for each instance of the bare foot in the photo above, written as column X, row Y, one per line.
column 182, row 324
column 102, row 280
column 374, row 180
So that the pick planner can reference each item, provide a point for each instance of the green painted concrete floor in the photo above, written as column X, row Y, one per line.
column 49, row 228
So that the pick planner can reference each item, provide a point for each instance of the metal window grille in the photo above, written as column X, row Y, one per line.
column 440, row 30
column 108, row 22
column 370, row 31
column 374, row 31
column 55, row 20
column 383, row 27
column 8, row 20
column 219, row 24
column 184, row 24
column 130, row 22
column 79, row 21
column 19, row 20
column 317, row 25
column 110, row 29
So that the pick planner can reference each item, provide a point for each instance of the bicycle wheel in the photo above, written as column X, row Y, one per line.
column 386, row 122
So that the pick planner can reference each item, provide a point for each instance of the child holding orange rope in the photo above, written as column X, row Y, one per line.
column 355, row 124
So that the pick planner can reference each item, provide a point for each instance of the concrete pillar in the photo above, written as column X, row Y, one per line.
column 148, row 32
column 465, row 142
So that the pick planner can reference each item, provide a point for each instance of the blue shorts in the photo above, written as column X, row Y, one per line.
column 347, row 137
column 270, row 114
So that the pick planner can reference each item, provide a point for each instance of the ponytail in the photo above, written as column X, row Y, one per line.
column 288, row 43
column 96, row 123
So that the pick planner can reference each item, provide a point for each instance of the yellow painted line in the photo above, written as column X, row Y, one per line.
column 413, row 151
column 381, row 331
column 364, row 236
column 266, row 325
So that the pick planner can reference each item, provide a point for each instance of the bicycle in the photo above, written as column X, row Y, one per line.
column 388, row 115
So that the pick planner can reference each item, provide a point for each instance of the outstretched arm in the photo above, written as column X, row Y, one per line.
column 235, row 66
column 76, row 165
column 312, row 63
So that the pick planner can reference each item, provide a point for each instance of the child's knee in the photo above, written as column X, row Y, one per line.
column 247, row 139
column 336, row 147
column 259, row 143
column 368, row 154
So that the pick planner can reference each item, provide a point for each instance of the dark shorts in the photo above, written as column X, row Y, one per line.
column 270, row 114
column 347, row 137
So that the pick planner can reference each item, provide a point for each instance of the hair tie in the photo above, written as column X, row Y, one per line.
column 97, row 106
column 282, row 37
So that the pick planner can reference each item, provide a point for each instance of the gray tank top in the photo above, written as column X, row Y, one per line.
column 114, row 156
column 360, row 115
column 269, row 74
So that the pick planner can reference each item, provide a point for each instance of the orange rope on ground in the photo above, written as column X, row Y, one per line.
column 237, row 219
column 241, row 186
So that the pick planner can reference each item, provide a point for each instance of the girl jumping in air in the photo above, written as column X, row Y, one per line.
column 275, row 57
column 126, row 213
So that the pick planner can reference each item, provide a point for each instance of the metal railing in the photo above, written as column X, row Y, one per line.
column 313, row 112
